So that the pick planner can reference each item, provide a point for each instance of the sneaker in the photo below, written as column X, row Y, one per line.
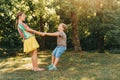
column 52, row 68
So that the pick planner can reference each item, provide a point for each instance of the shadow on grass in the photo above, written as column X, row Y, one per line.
column 9, row 52
column 72, row 66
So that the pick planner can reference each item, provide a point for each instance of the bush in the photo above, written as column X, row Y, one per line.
column 115, row 51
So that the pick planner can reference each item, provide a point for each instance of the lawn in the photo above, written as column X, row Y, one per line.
column 72, row 66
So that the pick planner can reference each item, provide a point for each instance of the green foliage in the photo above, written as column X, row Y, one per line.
column 113, row 38
column 99, row 22
column 115, row 50
column 7, row 29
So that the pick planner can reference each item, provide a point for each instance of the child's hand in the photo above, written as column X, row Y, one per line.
column 42, row 34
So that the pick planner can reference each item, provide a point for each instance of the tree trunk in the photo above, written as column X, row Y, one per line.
column 75, row 34
column 100, row 36
column 42, row 40
column 101, row 44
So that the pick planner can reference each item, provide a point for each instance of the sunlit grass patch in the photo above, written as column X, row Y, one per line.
column 72, row 66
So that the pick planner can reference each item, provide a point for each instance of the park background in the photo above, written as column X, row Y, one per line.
column 93, row 36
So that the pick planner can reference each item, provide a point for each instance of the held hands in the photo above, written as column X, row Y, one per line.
column 42, row 33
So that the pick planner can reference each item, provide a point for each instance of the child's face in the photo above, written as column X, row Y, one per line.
column 22, row 17
column 60, row 28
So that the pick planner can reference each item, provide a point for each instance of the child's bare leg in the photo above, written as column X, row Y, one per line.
column 53, row 59
column 56, row 61
column 34, row 61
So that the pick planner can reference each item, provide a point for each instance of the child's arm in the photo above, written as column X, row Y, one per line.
column 31, row 30
column 36, row 32
column 52, row 34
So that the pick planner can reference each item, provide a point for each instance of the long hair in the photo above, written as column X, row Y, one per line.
column 17, row 18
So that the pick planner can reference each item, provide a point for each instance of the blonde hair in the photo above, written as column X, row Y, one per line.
column 64, row 26
column 17, row 18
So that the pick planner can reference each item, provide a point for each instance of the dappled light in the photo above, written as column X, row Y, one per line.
column 87, row 78
column 78, row 66
column 95, row 64
column 72, row 69
column 22, row 62
column 35, row 1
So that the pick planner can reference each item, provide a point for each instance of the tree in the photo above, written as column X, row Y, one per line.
column 103, row 19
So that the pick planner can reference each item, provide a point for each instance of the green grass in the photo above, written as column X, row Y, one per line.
column 72, row 66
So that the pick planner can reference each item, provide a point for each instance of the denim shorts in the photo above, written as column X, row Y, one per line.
column 58, row 51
